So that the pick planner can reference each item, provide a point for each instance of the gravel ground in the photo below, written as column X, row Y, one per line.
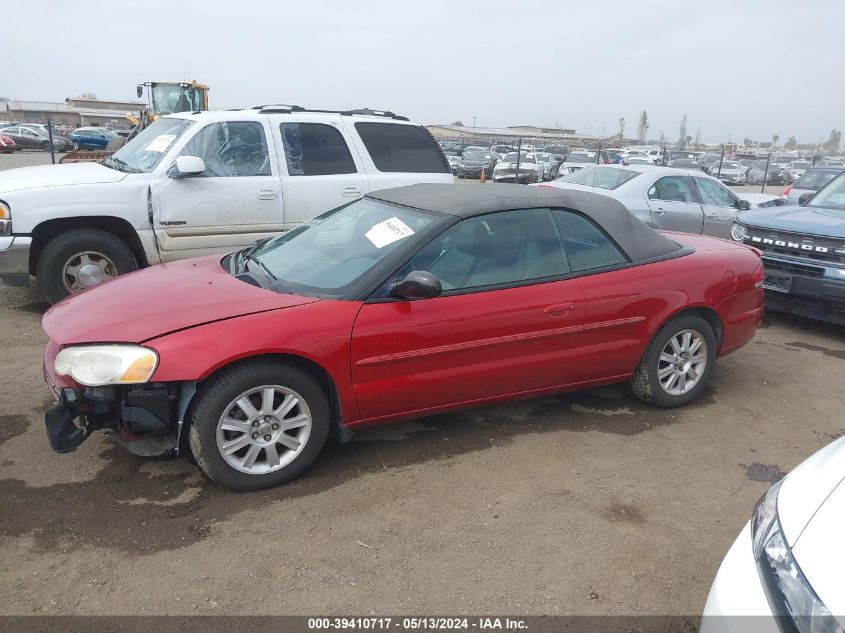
column 592, row 503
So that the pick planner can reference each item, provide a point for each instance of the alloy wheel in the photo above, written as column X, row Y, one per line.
column 682, row 362
column 263, row 429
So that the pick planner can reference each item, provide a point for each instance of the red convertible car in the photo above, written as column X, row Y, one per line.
column 404, row 303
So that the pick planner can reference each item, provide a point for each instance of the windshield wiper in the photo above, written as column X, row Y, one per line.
column 121, row 163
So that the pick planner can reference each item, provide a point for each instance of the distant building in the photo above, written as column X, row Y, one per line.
column 84, row 110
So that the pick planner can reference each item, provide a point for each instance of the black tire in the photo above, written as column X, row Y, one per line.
column 223, row 389
column 45, row 145
column 645, row 384
column 49, row 270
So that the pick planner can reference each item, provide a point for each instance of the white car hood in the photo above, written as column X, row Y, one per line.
column 57, row 176
column 820, row 551
column 805, row 489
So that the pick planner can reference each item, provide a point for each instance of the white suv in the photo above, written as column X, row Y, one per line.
column 199, row 183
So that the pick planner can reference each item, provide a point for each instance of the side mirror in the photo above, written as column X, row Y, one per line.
column 744, row 205
column 418, row 284
column 805, row 197
column 187, row 166
column 139, row 90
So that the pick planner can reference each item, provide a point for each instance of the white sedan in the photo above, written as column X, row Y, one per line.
column 786, row 566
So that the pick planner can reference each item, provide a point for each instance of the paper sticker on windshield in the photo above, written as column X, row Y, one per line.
column 160, row 143
column 387, row 232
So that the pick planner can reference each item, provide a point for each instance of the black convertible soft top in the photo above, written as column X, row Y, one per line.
column 640, row 242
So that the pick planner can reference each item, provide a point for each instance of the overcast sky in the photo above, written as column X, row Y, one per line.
column 740, row 67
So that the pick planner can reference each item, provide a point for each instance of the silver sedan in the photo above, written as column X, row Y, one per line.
column 662, row 197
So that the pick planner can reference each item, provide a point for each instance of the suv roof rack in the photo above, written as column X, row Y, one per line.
column 287, row 109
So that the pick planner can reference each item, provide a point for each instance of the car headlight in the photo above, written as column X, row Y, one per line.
column 95, row 365
column 739, row 232
column 790, row 596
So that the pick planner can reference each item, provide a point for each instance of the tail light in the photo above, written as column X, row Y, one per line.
column 787, row 191
column 759, row 276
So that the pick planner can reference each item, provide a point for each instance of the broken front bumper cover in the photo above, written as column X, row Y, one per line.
column 142, row 420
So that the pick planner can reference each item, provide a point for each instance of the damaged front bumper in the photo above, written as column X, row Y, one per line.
column 144, row 419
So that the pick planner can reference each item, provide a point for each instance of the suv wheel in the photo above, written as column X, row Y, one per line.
column 79, row 259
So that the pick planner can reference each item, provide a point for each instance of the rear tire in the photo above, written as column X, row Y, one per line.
column 256, row 445
column 669, row 375
column 57, row 263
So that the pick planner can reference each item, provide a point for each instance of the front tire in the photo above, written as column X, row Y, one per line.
column 81, row 258
column 258, row 425
column 677, row 362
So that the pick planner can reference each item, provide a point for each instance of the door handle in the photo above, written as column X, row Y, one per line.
column 351, row 192
column 559, row 309
column 712, row 216
column 267, row 193
column 659, row 211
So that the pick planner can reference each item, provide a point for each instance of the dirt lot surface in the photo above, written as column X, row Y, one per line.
column 593, row 503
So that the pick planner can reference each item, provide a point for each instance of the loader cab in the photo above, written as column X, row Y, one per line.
column 172, row 97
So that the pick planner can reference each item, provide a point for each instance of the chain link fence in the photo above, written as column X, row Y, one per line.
column 27, row 144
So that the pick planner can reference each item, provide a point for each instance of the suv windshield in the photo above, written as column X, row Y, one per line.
column 581, row 158
column 601, row 177
column 146, row 150
column 832, row 196
column 474, row 154
column 329, row 257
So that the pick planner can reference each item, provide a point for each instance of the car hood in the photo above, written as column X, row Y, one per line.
column 57, row 176
column 159, row 300
column 810, row 220
column 819, row 552
column 805, row 489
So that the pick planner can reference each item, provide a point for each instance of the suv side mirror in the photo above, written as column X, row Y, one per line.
column 418, row 284
column 187, row 166
column 805, row 197
column 744, row 205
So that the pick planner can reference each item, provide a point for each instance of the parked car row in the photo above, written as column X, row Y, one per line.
column 26, row 137
column 36, row 136
column 471, row 161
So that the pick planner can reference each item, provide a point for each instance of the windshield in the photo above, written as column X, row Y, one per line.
column 601, row 177
column 146, row 150
column 638, row 160
column 684, row 162
column 328, row 257
column 727, row 165
column 800, row 165
column 169, row 99
column 511, row 158
column 581, row 158
column 815, row 179
column 474, row 154
column 832, row 196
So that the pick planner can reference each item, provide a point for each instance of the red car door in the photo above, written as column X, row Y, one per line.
column 509, row 320
column 622, row 301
